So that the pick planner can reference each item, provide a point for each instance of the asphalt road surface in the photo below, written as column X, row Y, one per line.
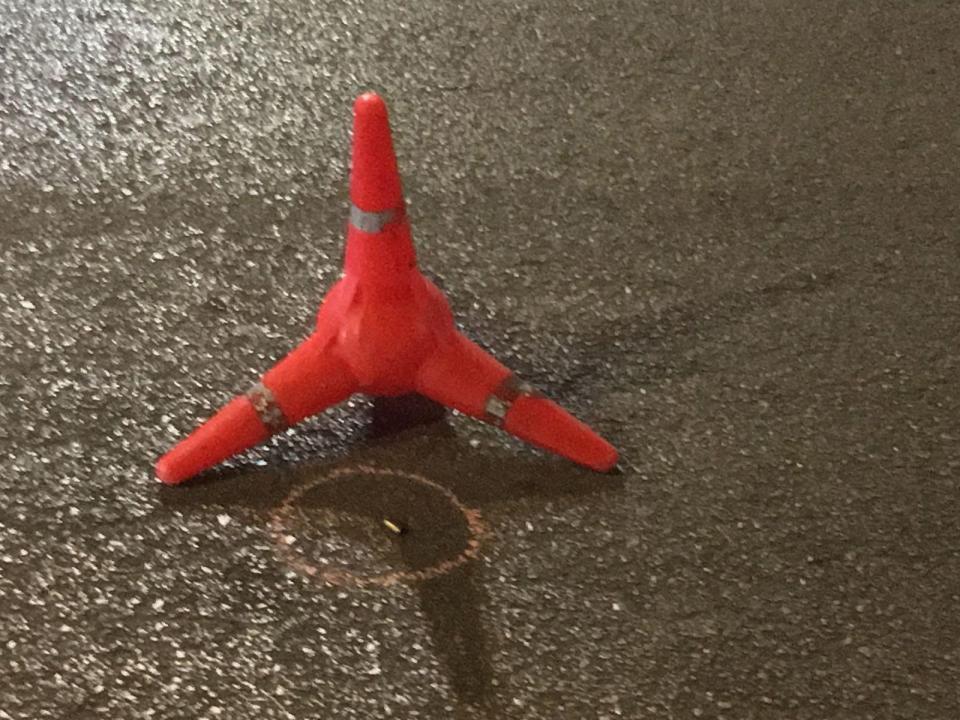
column 725, row 234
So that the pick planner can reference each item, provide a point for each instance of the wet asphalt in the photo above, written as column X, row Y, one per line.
column 725, row 234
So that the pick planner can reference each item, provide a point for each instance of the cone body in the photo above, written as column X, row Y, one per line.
column 383, row 329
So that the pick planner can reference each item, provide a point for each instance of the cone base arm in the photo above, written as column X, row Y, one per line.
column 236, row 427
column 463, row 376
column 311, row 378
column 307, row 381
column 543, row 423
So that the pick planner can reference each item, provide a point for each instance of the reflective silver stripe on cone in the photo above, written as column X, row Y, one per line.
column 374, row 222
column 264, row 402
column 503, row 396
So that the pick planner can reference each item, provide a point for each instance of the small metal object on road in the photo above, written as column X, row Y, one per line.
column 393, row 527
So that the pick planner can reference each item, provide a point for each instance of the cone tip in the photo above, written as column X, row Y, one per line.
column 369, row 103
column 608, row 459
column 374, row 179
column 166, row 472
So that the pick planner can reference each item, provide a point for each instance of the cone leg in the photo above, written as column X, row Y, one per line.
column 236, row 427
column 463, row 376
column 544, row 423
column 310, row 379
column 307, row 381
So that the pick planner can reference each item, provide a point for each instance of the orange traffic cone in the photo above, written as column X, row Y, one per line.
column 383, row 329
